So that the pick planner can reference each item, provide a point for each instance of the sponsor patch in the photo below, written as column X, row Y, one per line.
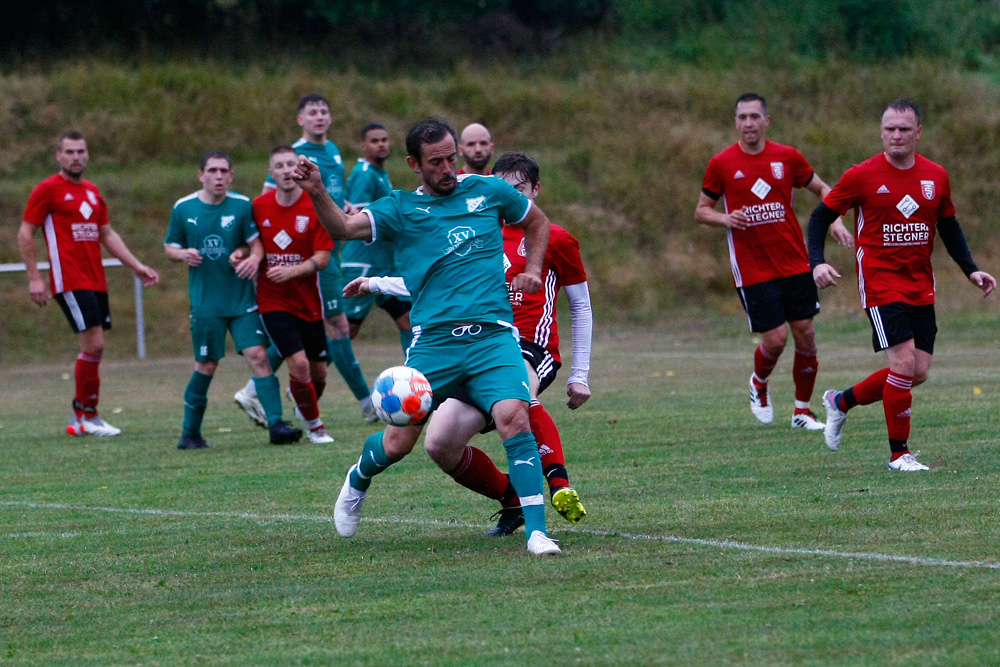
column 907, row 206
column 282, row 239
column 760, row 188
column 86, row 210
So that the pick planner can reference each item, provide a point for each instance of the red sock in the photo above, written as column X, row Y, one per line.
column 804, row 376
column 896, row 401
column 304, row 394
column 550, row 448
column 763, row 363
column 477, row 472
column 88, row 384
column 870, row 389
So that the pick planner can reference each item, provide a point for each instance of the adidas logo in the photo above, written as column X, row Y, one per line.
column 882, row 190
column 68, row 197
column 739, row 174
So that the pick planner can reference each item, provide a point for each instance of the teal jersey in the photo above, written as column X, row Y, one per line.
column 367, row 183
column 216, row 230
column 449, row 250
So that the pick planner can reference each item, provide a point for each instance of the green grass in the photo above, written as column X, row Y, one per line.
column 710, row 538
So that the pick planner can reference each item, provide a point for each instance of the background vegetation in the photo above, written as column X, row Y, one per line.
column 622, row 110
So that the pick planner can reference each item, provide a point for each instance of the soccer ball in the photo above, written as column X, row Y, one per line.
column 401, row 396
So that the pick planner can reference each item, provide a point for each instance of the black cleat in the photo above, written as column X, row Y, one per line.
column 511, row 518
column 187, row 442
column 283, row 433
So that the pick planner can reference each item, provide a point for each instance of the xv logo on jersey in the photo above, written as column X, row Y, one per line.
column 461, row 240
column 213, row 247
column 475, row 204
column 227, row 221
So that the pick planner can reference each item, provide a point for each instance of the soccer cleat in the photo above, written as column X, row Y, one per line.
column 760, row 403
column 73, row 426
column 368, row 410
column 907, row 463
column 835, row 418
column 187, row 442
column 320, row 436
column 540, row 544
column 511, row 518
column 567, row 502
column 808, row 421
column 347, row 511
column 251, row 405
column 283, row 433
column 92, row 426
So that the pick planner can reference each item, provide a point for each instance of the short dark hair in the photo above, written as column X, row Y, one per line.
column 222, row 155
column 428, row 131
column 369, row 127
column 903, row 105
column 517, row 164
column 72, row 135
column 283, row 148
column 313, row 98
column 751, row 97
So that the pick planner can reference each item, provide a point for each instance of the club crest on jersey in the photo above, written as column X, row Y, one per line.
column 227, row 221
column 506, row 263
column 213, row 247
column 301, row 223
column 928, row 189
column 461, row 240
column 778, row 169
column 475, row 203
column 92, row 197
column 521, row 250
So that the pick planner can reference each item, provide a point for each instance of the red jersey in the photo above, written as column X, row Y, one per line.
column 772, row 246
column 895, row 222
column 535, row 314
column 71, row 215
column 291, row 235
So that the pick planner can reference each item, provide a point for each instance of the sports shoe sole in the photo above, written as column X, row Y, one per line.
column 567, row 502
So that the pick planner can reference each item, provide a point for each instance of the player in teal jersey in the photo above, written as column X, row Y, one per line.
column 205, row 228
column 314, row 119
column 448, row 245
column 369, row 182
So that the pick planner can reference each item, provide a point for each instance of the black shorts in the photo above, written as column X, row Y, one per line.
column 291, row 334
column 85, row 308
column 394, row 307
column 772, row 303
column 897, row 322
column 543, row 363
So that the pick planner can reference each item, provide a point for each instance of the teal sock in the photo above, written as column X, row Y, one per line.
column 269, row 393
column 274, row 357
column 195, row 402
column 405, row 338
column 525, row 470
column 342, row 355
column 373, row 461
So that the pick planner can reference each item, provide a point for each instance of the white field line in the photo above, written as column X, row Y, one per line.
column 637, row 537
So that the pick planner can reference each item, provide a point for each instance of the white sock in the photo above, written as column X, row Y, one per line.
column 251, row 388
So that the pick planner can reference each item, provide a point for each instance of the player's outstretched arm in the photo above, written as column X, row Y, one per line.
column 337, row 224
column 113, row 242
column 582, row 318
column 26, row 243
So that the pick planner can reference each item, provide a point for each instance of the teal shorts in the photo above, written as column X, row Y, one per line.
column 208, row 335
column 331, row 288
column 483, row 361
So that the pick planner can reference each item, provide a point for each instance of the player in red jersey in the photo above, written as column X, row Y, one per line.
column 476, row 148
column 901, row 201
column 296, row 248
column 755, row 179
column 75, row 219
column 455, row 422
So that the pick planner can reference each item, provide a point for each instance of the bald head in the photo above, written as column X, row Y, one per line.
column 476, row 148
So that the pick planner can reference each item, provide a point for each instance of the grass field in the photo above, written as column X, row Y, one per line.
column 710, row 539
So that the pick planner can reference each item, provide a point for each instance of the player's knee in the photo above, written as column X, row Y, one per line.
column 398, row 441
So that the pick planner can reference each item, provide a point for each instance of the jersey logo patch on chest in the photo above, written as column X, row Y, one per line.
column 282, row 239
column 301, row 224
column 778, row 170
column 227, row 221
column 475, row 204
column 760, row 188
column 907, row 206
column 86, row 210
column 927, row 187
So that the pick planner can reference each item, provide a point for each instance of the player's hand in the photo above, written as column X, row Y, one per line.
column 238, row 255
column 280, row 274
column 358, row 287
column 351, row 209
column 578, row 394
column 147, row 275
column 307, row 175
column 983, row 281
column 736, row 220
column 840, row 234
column 526, row 282
column 247, row 267
column 825, row 276
column 191, row 256
column 38, row 292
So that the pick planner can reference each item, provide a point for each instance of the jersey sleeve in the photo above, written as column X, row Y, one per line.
column 946, row 209
column 384, row 215
column 321, row 240
column 564, row 251
column 356, row 189
column 512, row 204
column 802, row 171
column 250, row 231
column 37, row 208
column 843, row 195
column 175, row 230
column 712, row 184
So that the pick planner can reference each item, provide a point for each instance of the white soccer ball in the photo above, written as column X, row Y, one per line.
column 402, row 396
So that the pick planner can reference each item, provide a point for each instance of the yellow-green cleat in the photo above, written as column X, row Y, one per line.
column 567, row 502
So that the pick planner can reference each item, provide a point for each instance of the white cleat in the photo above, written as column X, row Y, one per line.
column 368, row 410
column 347, row 511
column 907, row 463
column 320, row 436
column 808, row 421
column 92, row 426
column 252, row 406
column 540, row 544
column 760, row 403
column 835, row 418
